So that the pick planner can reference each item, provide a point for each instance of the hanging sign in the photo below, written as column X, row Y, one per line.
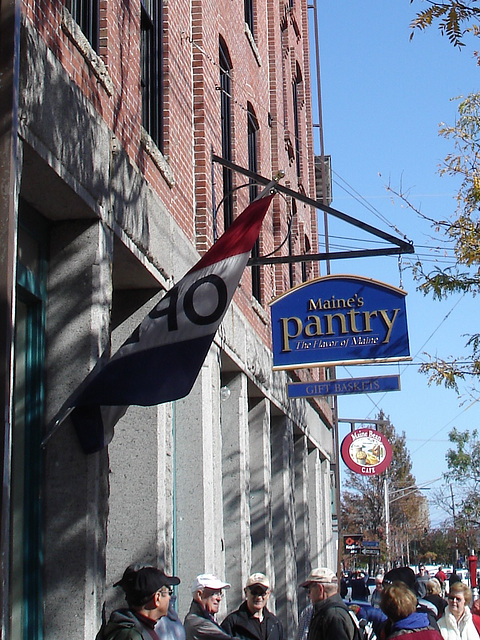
column 344, row 387
column 352, row 543
column 366, row 451
column 337, row 320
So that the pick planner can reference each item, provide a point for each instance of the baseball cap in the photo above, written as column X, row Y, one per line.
column 258, row 578
column 400, row 574
column 139, row 582
column 208, row 581
column 322, row 574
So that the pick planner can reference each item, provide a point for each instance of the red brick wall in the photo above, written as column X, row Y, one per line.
column 192, row 111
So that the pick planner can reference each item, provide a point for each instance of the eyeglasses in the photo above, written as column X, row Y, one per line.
column 166, row 591
column 258, row 591
column 209, row 593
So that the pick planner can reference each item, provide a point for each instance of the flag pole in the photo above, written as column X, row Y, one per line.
column 271, row 185
column 55, row 424
column 67, row 408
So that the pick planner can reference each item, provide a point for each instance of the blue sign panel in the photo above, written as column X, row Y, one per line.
column 339, row 320
column 344, row 387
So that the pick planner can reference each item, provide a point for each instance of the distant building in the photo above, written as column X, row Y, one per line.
column 110, row 193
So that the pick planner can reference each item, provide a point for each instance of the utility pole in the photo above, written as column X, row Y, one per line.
column 455, row 554
column 387, row 518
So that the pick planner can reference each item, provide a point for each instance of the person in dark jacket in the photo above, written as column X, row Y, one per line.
column 147, row 592
column 252, row 620
column 170, row 627
column 399, row 603
column 360, row 590
column 434, row 590
column 331, row 619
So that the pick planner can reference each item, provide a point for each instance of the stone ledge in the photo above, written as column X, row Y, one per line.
column 92, row 58
column 253, row 44
column 161, row 161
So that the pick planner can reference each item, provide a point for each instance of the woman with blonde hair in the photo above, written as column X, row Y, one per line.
column 399, row 604
column 456, row 622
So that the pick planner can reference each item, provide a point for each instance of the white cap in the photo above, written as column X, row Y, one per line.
column 208, row 581
column 322, row 575
column 258, row 578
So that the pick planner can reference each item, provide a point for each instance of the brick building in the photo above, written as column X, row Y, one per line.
column 116, row 116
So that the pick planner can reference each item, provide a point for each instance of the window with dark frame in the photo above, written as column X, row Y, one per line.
column 226, row 122
column 252, row 144
column 305, row 265
column 296, row 117
column 291, row 266
column 86, row 15
column 248, row 8
column 151, row 66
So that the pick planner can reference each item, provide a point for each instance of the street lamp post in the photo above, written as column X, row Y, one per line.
column 407, row 491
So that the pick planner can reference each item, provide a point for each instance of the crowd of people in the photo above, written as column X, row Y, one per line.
column 401, row 603
column 442, row 605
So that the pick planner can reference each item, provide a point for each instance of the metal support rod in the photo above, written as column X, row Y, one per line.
column 455, row 555
column 320, row 130
column 387, row 519
column 401, row 246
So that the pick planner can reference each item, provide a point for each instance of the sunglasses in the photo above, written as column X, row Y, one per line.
column 258, row 591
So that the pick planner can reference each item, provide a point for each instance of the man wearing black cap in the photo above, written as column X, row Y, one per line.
column 147, row 592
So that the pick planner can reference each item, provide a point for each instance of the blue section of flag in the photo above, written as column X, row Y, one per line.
column 161, row 374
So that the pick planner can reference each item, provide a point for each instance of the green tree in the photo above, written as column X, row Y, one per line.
column 459, row 496
column 454, row 19
column 436, row 547
column 464, row 469
column 463, row 232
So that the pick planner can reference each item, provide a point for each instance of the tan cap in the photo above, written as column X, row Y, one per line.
column 322, row 574
column 258, row 578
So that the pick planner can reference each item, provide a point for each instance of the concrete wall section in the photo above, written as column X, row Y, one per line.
column 199, row 493
column 76, row 486
column 261, row 493
column 283, row 521
column 236, row 484
column 302, row 507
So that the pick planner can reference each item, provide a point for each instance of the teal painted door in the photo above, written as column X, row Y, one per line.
column 26, row 469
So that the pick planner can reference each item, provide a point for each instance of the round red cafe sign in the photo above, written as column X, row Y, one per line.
column 366, row 451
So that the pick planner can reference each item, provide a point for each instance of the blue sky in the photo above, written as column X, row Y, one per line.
column 383, row 98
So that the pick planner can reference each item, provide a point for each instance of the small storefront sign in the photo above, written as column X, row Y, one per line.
column 347, row 386
column 366, row 451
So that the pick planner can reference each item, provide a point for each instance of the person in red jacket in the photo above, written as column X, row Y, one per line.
column 475, row 609
column 441, row 576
